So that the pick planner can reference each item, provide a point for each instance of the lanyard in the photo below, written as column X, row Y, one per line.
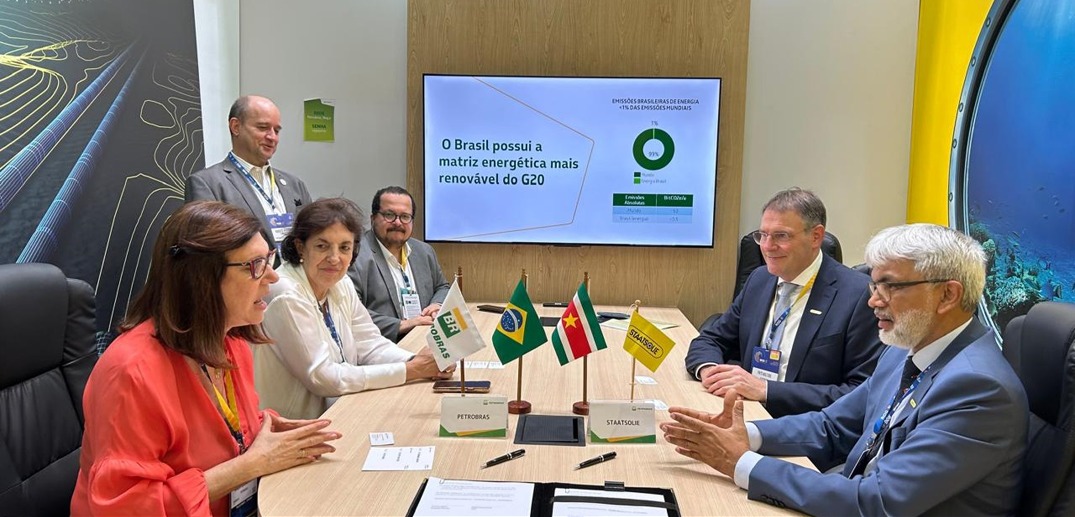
column 272, row 180
column 779, row 320
column 882, row 423
column 228, row 408
column 403, row 268
column 332, row 329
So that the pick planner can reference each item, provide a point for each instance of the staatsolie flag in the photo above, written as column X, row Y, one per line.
column 646, row 342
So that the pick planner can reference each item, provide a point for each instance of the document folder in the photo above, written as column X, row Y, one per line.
column 547, row 499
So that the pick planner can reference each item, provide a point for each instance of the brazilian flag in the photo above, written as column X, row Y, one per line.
column 519, row 330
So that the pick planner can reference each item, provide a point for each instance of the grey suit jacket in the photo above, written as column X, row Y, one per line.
column 373, row 280
column 836, row 346
column 223, row 182
column 957, row 451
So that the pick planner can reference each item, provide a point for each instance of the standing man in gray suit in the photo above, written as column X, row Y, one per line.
column 940, row 428
column 245, row 178
column 398, row 278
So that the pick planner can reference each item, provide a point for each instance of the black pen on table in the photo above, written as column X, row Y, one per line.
column 501, row 459
column 594, row 461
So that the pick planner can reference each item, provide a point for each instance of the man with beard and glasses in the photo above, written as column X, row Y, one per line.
column 939, row 429
column 398, row 278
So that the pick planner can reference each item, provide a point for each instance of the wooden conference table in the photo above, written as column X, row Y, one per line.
column 336, row 484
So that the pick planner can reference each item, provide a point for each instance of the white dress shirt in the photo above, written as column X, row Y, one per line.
column 398, row 271
column 302, row 372
column 260, row 176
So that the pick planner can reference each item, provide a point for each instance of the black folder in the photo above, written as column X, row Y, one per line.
column 542, row 503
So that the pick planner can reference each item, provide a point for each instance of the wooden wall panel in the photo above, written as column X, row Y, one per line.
column 630, row 38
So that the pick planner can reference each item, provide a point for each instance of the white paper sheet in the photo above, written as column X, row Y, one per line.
column 606, row 510
column 399, row 458
column 450, row 498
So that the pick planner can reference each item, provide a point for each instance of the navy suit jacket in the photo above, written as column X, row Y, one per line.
column 223, row 182
column 372, row 277
column 958, row 451
column 836, row 346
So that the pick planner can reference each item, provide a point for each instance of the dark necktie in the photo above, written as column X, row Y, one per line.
column 910, row 372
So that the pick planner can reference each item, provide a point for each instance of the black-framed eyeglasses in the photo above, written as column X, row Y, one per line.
column 392, row 216
column 257, row 266
column 777, row 237
column 885, row 289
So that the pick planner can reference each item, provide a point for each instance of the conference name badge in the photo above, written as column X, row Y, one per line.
column 280, row 224
column 766, row 363
column 617, row 421
column 473, row 416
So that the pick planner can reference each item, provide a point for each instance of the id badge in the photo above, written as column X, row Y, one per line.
column 244, row 500
column 412, row 307
column 280, row 225
column 766, row 363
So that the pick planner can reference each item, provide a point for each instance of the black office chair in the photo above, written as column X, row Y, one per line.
column 1040, row 346
column 47, row 330
column 750, row 258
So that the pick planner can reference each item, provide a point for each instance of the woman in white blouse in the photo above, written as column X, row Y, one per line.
column 325, row 344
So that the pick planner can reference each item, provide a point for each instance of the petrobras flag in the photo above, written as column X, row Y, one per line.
column 578, row 332
column 453, row 335
column 646, row 342
column 519, row 330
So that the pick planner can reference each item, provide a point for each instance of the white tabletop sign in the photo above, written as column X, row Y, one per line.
column 474, row 416
column 617, row 421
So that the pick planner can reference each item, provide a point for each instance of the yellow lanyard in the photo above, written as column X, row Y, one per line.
column 229, row 408
column 806, row 289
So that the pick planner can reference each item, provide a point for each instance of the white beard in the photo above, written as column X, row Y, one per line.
column 909, row 331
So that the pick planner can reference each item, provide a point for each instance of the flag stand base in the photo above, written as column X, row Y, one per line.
column 518, row 407
column 581, row 408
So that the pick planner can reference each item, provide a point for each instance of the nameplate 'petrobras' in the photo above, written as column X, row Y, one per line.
column 616, row 421
column 484, row 416
column 453, row 335
column 646, row 342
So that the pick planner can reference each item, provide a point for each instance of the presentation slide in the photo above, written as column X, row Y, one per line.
column 571, row 160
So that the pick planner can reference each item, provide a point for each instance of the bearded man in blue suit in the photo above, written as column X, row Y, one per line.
column 939, row 429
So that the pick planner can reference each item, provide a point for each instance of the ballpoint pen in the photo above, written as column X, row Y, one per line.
column 594, row 461
column 501, row 459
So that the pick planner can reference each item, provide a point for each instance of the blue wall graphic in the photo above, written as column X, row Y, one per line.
column 100, row 123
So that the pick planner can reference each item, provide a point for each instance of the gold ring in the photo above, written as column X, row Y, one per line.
column 302, row 453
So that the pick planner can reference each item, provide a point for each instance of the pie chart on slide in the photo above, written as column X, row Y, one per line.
column 654, row 149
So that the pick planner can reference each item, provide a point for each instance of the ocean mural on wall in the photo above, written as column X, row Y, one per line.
column 1013, row 166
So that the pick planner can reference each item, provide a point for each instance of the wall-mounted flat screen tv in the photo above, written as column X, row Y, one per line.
column 571, row 160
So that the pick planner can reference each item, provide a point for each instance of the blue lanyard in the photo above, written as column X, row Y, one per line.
column 242, row 169
column 332, row 329
column 776, row 322
column 882, row 423
column 776, row 325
